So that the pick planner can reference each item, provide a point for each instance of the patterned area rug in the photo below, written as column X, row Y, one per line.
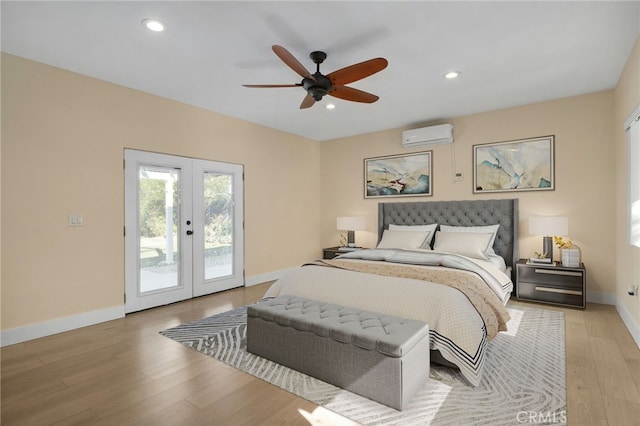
column 523, row 383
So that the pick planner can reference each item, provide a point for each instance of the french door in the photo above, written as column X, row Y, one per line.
column 184, row 232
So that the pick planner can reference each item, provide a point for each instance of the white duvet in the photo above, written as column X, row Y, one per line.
column 456, row 328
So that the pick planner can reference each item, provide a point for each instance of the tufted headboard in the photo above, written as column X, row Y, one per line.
column 459, row 213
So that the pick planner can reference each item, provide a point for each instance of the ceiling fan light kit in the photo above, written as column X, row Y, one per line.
column 318, row 85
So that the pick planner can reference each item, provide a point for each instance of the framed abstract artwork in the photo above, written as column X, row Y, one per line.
column 520, row 165
column 404, row 175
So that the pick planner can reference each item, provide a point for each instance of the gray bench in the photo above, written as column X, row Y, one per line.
column 381, row 357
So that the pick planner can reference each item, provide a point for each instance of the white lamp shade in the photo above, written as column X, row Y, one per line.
column 549, row 225
column 350, row 223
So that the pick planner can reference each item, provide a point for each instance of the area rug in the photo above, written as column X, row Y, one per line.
column 523, row 382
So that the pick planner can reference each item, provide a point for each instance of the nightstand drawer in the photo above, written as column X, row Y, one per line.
column 330, row 253
column 559, row 285
column 553, row 277
column 551, row 294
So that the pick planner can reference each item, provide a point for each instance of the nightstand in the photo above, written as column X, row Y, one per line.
column 557, row 285
column 331, row 252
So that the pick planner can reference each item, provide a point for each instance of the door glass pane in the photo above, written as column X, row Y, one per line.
column 158, row 228
column 218, row 225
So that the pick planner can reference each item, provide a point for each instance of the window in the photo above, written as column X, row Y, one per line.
column 632, row 127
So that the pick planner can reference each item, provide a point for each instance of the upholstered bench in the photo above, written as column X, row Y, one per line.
column 380, row 357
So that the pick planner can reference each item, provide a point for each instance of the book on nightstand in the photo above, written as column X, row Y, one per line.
column 541, row 262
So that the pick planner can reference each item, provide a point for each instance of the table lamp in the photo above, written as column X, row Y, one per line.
column 350, row 224
column 548, row 226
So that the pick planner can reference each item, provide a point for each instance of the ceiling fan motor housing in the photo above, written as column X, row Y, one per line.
column 318, row 88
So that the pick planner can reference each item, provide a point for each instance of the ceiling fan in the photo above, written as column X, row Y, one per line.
column 317, row 84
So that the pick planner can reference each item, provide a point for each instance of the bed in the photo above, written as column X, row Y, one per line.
column 448, row 263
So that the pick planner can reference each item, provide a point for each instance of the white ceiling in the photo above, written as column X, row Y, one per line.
column 510, row 53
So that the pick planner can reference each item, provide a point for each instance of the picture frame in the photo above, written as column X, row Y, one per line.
column 518, row 165
column 402, row 175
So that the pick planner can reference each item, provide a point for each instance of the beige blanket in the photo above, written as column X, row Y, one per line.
column 488, row 305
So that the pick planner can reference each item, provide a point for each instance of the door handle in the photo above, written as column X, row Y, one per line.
column 189, row 232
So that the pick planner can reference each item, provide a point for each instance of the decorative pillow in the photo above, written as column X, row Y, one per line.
column 489, row 229
column 470, row 244
column 402, row 239
column 431, row 229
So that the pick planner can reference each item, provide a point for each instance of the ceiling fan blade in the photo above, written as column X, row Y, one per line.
column 271, row 85
column 307, row 102
column 357, row 71
column 291, row 61
column 351, row 94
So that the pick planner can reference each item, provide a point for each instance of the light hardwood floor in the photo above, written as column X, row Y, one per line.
column 124, row 372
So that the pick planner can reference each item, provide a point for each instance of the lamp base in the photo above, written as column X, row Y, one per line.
column 343, row 239
column 547, row 247
column 351, row 239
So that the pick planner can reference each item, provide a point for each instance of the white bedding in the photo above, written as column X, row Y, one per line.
column 457, row 330
column 498, row 262
column 490, row 270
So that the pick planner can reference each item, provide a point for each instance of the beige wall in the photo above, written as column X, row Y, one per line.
column 585, row 160
column 627, row 97
column 63, row 137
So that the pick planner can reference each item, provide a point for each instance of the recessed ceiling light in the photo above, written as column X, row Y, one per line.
column 330, row 106
column 452, row 74
column 153, row 25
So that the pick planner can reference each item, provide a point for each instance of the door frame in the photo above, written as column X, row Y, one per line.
column 191, row 170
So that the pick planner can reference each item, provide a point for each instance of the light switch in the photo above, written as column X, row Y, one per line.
column 75, row 220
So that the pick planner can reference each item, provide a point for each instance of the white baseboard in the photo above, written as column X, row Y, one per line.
column 263, row 278
column 48, row 328
column 630, row 322
column 34, row 331
column 627, row 318
column 601, row 297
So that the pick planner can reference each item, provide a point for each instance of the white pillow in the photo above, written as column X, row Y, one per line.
column 431, row 229
column 489, row 229
column 402, row 239
column 470, row 244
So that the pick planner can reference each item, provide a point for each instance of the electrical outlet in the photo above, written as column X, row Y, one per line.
column 76, row 220
column 458, row 177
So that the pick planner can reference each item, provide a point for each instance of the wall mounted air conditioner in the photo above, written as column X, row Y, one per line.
column 432, row 135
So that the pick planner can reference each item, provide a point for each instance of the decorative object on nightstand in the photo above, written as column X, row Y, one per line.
column 570, row 252
column 350, row 224
column 557, row 285
column 571, row 257
column 548, row 226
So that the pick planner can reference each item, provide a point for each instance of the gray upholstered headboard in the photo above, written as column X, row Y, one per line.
column 459, row 213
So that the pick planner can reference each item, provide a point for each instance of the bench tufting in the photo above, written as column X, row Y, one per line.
column 381, row 357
